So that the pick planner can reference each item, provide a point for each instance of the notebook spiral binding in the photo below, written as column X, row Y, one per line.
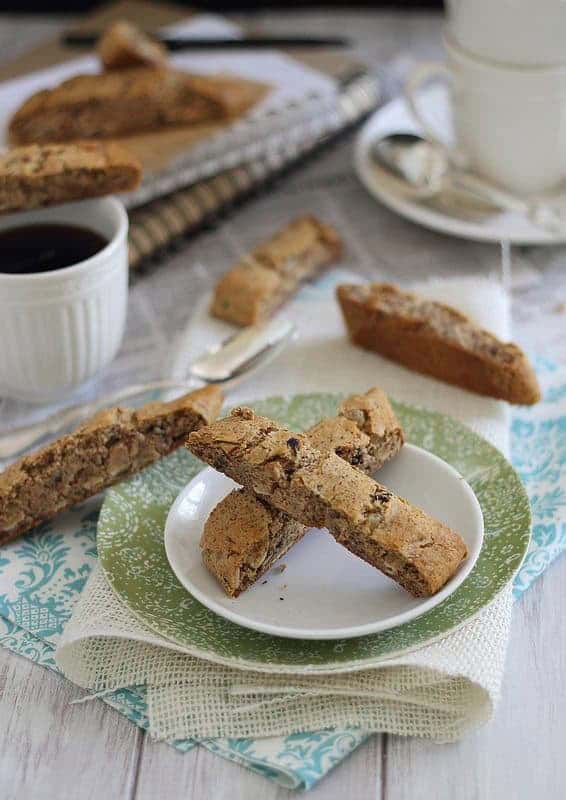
column 232, row 172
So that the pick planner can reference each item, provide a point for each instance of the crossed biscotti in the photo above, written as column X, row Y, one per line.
column 244, row 536
column 322, row 490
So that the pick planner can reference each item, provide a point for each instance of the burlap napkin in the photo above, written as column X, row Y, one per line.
column 439, row 691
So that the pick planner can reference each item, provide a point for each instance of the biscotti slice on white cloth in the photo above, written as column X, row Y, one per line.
column 262, row 281
column 436, row 339
column 113, row 445
column 323, row 491
column 244, row 536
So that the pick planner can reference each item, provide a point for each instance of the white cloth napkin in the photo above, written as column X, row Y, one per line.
column 440, row 691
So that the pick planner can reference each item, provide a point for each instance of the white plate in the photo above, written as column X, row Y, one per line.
column 507, row 226
column 325, row 592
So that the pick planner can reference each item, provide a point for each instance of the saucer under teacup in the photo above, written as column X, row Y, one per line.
column 451, row 213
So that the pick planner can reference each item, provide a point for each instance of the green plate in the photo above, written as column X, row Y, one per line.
column 132, row 554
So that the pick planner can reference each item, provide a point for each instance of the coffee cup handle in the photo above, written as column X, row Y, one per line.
column 424, row 73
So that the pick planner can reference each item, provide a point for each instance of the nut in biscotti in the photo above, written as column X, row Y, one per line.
column 110, row 447
column 437, row 340
column 286, row 471
column 244, row 536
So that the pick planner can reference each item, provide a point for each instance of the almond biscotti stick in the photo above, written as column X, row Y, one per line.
column 121, row 102
column 262, row 281
column 436, row 340
column 286, row 471
column 125, row 45
column 113, row 445
column 43, row 175
column 244, row 536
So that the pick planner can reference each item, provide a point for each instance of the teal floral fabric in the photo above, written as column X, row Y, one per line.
column 43, row 574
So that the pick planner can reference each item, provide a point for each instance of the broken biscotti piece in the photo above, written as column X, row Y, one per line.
column 125, row 45
column 127, row 101
column 244, row 536
column 262, row 281
column 43, row 175
column 436, row 340
column 286, row 471
column 113, row 445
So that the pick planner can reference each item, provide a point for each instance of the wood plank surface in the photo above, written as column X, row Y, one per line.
column 51, row 750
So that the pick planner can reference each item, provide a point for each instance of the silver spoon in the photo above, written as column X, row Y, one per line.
column 226, row 365
column 423, row 169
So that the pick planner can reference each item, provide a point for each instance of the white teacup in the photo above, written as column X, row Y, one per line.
column 509, row 122
column 60, row 328
column 514, row 32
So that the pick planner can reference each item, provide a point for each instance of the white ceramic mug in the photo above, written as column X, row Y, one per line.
column 59, row 328
column 509, row 122
column 514, row 32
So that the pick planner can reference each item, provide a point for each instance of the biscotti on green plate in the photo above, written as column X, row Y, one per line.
column 113, row 445
column 437, row 340
column 244, row 536
column 42, row 175
column 322, row 490
column 263, row 280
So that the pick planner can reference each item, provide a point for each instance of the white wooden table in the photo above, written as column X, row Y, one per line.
column 51, row 750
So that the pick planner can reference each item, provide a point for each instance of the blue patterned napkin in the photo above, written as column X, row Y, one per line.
column 43, row 574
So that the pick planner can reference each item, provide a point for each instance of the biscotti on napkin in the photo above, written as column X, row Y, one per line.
column 121, row 102
column 42, row 175
column 113, row 445
column 125, row 45
column 435, row 339
column 263, row 280
column 286, row 471
column 244, row 536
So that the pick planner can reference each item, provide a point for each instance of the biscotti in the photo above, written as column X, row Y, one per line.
column 435, row 339
column 244, row 536
column 286, row 471
column 262, row 281
column 366, row 433
column 125, row 45
column 113, row 445
column 42, row 175
column 121, row 102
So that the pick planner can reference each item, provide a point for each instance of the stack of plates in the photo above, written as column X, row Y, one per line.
column 326, row 611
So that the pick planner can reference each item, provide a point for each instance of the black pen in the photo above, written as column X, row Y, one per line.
column 186, row 43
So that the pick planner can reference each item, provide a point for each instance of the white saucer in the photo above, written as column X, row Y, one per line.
column 324, row 592
column 448, row 218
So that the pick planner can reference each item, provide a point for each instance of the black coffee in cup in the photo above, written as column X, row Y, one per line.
column 46, row 247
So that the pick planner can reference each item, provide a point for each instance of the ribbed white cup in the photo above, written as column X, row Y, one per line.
column 58, row 329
